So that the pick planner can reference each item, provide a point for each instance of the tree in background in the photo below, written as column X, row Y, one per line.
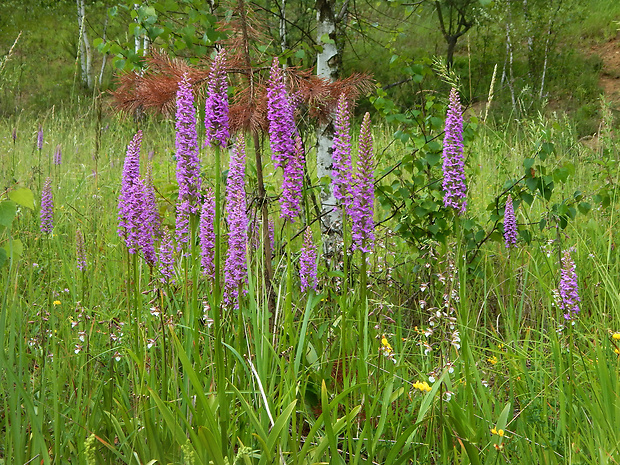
column 456, row 17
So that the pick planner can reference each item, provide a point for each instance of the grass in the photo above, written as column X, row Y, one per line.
column 108, row 365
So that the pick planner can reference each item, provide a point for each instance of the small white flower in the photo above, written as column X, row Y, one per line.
column 150, row 343
column 431, row 379
column 78, row 349
column 82, row 336
column 117, row 356
column 155, row 312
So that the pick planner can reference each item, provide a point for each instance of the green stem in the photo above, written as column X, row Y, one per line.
column 288, row 305
column 220, row 362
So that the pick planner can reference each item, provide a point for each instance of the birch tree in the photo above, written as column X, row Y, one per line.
column 328, row 67
column 85, row 50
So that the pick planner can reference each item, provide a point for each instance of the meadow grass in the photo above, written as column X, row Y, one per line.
column 108, row 365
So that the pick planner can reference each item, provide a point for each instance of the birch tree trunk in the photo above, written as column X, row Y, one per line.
column 283, row 42
column 327, row 67
column 85, row 50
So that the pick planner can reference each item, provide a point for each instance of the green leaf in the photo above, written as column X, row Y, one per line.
column 528, row 163
column 326, row 39
column 532, row 183
column 545, row 150
column 3, row 257
column 17, row 246
column 584, row 207
column 23, row 197
column 8, row 209
column 527, row 198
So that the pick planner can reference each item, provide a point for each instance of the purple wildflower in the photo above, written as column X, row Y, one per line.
column 235, row 271
column 207, row 235
column 307, row 264
column 510, row 224
column 40, row 138
column 455, row 190
column 58, row 155
column 130, row 199
column 80, row 250
column 272, row 234
column 166, row 258
column 216, row 105
column 150, row 223
column 290, row 201
column 182, row 223
column 343, row 168
column 14, row 135
column 152, row 216
column 364, row 192
column 281, row 117
column 47, row 208
column 188, row 164
column 568, row 288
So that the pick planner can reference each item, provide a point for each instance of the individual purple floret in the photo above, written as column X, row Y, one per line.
column 130, row 199
column 166, row 258
column 47, row 208
column 307, row 263
column 568, row 288
column 280, row 113
column 40, row 138
column 216, row 105
column 207, row 235
column 80, row 250
column 510, row 224
column 58, row 155
column 362, row 223
column 343, row 168
column 235, row 269
column 292, row 184
column 188, row 163
column 454, row 187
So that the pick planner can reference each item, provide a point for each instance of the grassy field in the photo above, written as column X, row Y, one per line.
column 436, row 360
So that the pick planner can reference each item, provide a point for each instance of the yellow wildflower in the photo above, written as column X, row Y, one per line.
column 386, row 344
column 492, row 360
column 56, row 302
column 616, row 336
column 493, row 431
column 424, row 387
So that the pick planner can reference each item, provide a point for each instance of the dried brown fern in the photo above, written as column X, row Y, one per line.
column 154, row 88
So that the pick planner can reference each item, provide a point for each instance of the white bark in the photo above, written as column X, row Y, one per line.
column 327, row 68
column 105, row 56
column 283, row 44
column 85, row 50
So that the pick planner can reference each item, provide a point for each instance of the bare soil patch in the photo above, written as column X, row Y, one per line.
column 610, row 74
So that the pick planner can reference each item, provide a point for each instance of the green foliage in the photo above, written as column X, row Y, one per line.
column 184, row 28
